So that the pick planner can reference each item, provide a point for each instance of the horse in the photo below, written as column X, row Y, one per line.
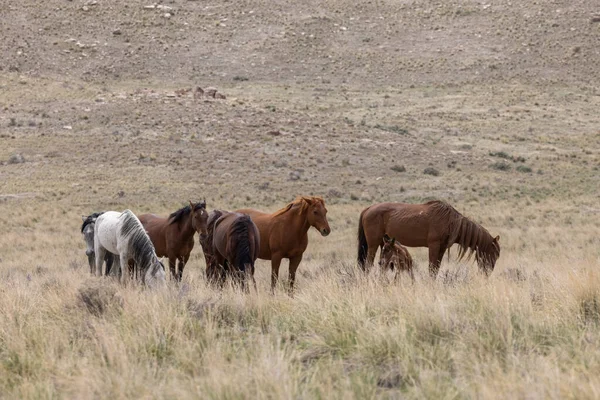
column 87, row 230
column 173, row 237
column 215, row 273
column 234, row 242
column 435, row 224
column 395, row 256
column 284, row 234
column 123, row 234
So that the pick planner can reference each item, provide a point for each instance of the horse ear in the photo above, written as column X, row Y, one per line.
column 191, row 204
column 308, row 200
column 393, row 241
column 497, row 238
column 386, row 238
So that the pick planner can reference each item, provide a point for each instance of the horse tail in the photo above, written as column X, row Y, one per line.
column 240, row 240
column 363, row 247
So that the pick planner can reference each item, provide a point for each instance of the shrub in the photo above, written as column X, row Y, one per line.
column 431, row 171
column 501, row 166
column 524, row 168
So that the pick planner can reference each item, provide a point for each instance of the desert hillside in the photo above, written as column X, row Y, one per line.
column 491, row 106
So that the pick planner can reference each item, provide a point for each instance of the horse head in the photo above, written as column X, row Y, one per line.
column 487, row 256
column 156, row 276
column 317, row 214
column 199, row 218
column 388, row 257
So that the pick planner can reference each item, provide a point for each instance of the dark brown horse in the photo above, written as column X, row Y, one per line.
column 284, row 234
column 173, row 237
column 436, row 225
column 232, row 245
column 394, row 256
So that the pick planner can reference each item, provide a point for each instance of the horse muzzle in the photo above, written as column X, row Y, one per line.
column 325, row 231
column 89, row 253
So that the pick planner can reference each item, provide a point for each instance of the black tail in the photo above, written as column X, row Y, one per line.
column 240, row 236
column 363, row 247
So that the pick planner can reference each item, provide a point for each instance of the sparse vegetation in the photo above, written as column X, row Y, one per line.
column 431, row 171
column 501, row 166
column 524, row 168
column 392, row 128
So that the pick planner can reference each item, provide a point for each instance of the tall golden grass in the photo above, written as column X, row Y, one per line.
column 529, row 331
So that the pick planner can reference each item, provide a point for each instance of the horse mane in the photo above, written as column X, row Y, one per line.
column 300, row 200
column 240, row 233
column 471, row 237
column 183, row 212
column 90, row 219
column 207, row 242
column 139, row 241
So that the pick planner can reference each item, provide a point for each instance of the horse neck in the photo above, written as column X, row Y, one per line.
column 297, row 221
column 187, row 229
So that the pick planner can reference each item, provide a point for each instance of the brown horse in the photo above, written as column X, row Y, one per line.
column 436, row 225
column 395, row 256
column 284, row 234
column 232, row 243
column 173, row 237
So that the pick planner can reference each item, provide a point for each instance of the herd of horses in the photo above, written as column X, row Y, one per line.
column 130, row 246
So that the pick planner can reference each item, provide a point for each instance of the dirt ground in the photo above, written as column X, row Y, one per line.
column 491, row 106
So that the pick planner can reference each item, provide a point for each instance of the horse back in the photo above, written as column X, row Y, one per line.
column 156, row 227
column 408, row 223
column 107, row 230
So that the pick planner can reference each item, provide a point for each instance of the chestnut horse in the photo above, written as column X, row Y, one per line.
column 436, row 225
column 395, row 256
column 231, row 247
column 173, row 237
column 284, row 234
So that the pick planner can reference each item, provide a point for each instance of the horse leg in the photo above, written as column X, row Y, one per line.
column 275, row 263
column 125, row 272
column 108, row 258
column 100, row 253
column 172, row 265
column 92, row 262
column 182, row 262
column 434, row 259
column 294, row 262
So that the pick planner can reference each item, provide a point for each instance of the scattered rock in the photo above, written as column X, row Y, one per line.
column 398, row 168
column 220, row 96
column 366, row 196
column 210, row 92
column 294, row 176
column 595, row 18
column 120, row 194
column 280, row 164
column 263, row 186
column 116, row 32
column 334, row 192
column 199, row 93
column 274, row 133
column 16, row 159
column 167, row 15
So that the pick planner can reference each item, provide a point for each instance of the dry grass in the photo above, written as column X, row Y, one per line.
column 531, row 330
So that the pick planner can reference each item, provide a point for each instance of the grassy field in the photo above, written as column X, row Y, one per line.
column 529, row 331
column 491, row 107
